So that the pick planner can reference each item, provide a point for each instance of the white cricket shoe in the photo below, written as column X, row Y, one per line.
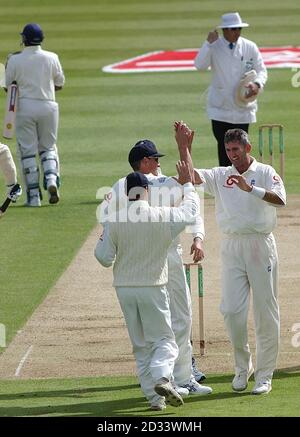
column 53, row 193
column 159, row 405
column 184, row 392
column 262, row 388
column 197, row 389
column 33, row 199
column 197, row 374
column 240, row 381
column 165, row 388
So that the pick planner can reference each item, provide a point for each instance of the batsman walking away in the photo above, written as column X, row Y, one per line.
column 37, row 74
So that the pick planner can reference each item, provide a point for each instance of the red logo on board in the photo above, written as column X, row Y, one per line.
column 183, row 60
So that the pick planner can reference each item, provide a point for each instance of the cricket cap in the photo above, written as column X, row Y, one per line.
column 143, row 149
column 135, row 180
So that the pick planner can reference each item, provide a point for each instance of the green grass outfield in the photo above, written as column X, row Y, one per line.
column 122, row 397
column 103, row 115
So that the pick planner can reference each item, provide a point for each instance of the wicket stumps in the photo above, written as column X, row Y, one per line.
column 270, row 128
column 200, row 296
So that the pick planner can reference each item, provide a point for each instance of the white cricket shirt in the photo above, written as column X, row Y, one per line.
column 163, row 191
column 237, row 211
column 36, row 72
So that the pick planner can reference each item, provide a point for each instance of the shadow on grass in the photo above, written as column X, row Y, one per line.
column 288, row 372
column 105, row 408
column 216, row 396
column 64, row 393
column 127, row 407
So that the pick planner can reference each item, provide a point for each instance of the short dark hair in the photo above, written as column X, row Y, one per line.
column 236, row 136
column 136, row 165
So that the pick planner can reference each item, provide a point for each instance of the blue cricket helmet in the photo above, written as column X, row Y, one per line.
column 32, row 34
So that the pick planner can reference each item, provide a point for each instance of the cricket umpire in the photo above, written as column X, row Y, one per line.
column 231, row 58
column 138, row 247
column 38, row 74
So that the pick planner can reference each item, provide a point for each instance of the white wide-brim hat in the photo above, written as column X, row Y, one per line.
column 231, row 20
column 241, row 98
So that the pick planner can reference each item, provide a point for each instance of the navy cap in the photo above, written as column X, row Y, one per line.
column 143, row 149
column 135, row 179
column 32, row 34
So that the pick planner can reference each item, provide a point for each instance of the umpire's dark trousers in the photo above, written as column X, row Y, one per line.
column 219, row 129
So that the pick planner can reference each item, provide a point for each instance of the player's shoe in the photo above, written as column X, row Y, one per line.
column 33, row 198
column 198, row 375
column 240, row 381
column 184, row 392
column 165, row 388
column 262, row 388
column 197, row 389
column 53, row 193
column 158, row 406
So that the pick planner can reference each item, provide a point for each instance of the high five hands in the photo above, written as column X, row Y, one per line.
column 184, row 135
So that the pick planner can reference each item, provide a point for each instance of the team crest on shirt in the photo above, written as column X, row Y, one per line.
column 108, row 196
column 228, row 184
column 252, row 182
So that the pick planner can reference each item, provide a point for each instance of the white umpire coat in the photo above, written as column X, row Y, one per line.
column 228, row 67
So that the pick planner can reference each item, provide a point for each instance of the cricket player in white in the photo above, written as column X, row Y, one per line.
column 138, row 247
column 38, row 74
column 246, row 196
column 165, row 191
column 8, row 168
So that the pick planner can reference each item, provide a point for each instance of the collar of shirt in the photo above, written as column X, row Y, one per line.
column 227, row 43
column 252, row 167
column 32, row 48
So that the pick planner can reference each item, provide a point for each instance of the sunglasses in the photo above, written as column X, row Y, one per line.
column 233, row 29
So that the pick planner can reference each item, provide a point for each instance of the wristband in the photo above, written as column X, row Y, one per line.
column 258, row 192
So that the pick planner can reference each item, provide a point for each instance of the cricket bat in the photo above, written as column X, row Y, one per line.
column 10, row 198
column 10, row 115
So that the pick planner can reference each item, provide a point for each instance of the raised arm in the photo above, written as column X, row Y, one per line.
column 184, row 137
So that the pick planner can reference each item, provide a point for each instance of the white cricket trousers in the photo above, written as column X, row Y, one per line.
column 36, row 126
column 147, row 315
column 181, row 315
column 251, row 261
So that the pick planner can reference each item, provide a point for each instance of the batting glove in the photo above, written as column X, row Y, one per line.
column 14, row 192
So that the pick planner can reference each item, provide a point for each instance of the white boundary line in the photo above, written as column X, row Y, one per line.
column 18, row 370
